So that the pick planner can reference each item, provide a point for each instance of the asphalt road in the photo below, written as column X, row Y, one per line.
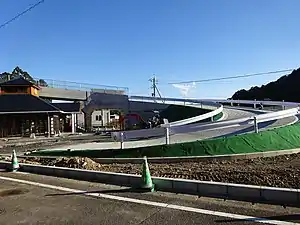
column 192, row 136
column 57, row 203
column 100, row 142
column 231, row 113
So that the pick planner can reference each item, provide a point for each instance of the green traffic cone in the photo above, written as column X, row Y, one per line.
column 14, row 162
column 146, row 177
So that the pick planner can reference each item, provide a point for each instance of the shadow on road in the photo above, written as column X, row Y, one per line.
column 292, row 217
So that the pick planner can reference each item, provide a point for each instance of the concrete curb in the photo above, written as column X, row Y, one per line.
column 255, row 194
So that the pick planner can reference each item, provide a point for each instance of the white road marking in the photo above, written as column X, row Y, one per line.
column 151, row 203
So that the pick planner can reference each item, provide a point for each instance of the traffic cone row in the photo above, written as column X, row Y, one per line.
column 14, row 162
column 146, row 177
column 146, row 183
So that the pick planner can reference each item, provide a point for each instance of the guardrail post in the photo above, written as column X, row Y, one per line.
column 122, row 140
column 254, row 106
column 283, row 106
column 255, row 125
column 167, row 135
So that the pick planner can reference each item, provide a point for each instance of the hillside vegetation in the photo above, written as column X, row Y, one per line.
column 285, row 88
column 18, row 72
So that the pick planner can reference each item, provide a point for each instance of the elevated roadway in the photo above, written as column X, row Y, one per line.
column 66, row 91
column 230, row 113
column 75, row 95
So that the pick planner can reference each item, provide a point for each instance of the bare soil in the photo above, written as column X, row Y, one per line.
column 27, row 144
column 280, row 171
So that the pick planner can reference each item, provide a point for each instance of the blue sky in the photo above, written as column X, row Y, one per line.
column 123, row 42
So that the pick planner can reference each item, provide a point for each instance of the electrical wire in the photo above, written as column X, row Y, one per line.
column 233, row 77
column 21, row 14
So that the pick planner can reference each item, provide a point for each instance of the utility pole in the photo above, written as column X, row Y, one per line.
column 153, row 81
column 154, row 88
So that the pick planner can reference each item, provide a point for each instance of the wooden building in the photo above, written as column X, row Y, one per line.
column 23, row 113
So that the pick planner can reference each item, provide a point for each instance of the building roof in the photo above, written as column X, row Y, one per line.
column 68, row 107
column 23, row 103
column 20, row 81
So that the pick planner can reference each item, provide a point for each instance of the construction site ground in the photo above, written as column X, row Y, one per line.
column 280, row 171
column 28, row 144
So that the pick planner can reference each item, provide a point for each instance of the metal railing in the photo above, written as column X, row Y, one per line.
column 156, row 132
column 255, row 102
column 186, row 128
column 78, row 86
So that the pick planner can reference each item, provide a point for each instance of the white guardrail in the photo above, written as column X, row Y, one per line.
column 186, row 126
column 160, row 131
column 255, row 102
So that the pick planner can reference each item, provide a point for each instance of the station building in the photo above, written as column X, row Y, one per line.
column 24, row 113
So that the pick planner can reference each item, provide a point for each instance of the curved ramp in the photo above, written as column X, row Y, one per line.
column 191, row 136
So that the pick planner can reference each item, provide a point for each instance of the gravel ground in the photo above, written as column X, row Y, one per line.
column 280, row 171
column 26, row 144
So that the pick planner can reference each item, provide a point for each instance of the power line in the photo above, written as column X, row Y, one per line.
column 233, row 77
column 21, row 13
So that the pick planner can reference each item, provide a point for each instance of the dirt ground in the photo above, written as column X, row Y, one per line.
column 280, row 171
column 27, row 144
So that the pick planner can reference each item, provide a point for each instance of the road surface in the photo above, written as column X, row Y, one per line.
column 33, row 199
column 183, row 137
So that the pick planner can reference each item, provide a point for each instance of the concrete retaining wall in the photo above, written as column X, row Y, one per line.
column 146, row 106
column 106, row 101
column 278, row 196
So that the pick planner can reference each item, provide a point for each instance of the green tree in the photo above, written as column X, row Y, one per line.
column 18, row 72
column 285, row 88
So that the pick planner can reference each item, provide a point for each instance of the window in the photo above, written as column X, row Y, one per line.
column 98, row 117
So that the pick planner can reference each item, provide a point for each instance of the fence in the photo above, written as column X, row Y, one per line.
column 77, row 86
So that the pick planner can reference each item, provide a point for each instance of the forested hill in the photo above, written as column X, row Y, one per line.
column 18, row 72
column 285, row 88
